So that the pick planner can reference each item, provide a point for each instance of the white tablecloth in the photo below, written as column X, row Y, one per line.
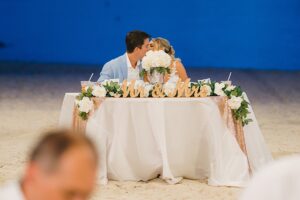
column 139, row 139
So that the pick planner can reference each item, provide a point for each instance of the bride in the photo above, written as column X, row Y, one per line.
column 177, row 68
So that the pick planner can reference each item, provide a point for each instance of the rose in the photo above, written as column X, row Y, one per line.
column 146, row 62
column 205, row 91
column 85, row 105
column 219, row 89
column 99, row 91
column 164, row 60
column 230, row 88
column 235, row 102
column 154, row 59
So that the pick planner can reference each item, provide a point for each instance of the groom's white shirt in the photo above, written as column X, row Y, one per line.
column 11, row 191
column 133, row 73
column 116, row 69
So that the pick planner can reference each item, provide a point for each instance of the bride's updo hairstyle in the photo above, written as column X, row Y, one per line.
column 162, row 44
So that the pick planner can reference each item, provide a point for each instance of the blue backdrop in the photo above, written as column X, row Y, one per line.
column 242, row 34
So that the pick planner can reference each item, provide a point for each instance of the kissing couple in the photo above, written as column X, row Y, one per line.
column 128, row 66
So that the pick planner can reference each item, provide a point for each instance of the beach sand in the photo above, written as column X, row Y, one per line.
column 30, row 102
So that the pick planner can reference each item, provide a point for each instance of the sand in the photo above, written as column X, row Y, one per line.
column 30, row 102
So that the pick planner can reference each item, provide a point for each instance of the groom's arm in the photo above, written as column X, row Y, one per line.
column 106, row 73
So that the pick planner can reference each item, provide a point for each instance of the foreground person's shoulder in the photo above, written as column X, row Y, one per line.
column 278, row 180
column 11, row 191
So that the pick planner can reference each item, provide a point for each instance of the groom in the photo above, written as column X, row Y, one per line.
column 127, row 66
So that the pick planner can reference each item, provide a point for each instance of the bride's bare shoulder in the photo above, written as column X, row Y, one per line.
column 178, row 63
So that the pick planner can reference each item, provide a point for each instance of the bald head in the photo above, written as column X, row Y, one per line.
column 61, row 166
column 54, row 144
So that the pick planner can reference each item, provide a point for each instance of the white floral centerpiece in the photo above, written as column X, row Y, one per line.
column 156, row 64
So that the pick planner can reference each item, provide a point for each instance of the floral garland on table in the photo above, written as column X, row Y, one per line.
column 107, row 88
column 236, row 98
column 84, row 99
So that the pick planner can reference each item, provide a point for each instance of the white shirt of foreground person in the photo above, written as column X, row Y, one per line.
column 133, row 73
column 11, row 191
column 278, row 181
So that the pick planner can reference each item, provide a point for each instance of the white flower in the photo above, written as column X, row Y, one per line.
column 77, row 101
column 117, row 95
column 219, row 89
column 156, row 59
column 205, row 90
column 169, row 88
column 207, row 80
column 146, row 61
column 226, row 82
column 105, row 82
column 245, row 96
column 164, row 60
column 235, row 102
column 85, row 105
column 230, row 88
column 99, row 91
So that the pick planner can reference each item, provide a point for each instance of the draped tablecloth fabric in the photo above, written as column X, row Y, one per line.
column 142, row 138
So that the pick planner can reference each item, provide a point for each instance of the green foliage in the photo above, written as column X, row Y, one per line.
column 161, row 70
column 237, row 91
column 83, row 115
column 212, row 86
column 143, row 73
column 112, row 88
column 87, row 93
column 242, row 112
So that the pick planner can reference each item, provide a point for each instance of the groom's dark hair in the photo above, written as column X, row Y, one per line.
column 135, row 39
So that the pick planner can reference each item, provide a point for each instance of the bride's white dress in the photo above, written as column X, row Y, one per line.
column 174, row 76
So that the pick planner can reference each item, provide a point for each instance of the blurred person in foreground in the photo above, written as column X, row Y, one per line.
column 62, row 166
column 280, row 180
